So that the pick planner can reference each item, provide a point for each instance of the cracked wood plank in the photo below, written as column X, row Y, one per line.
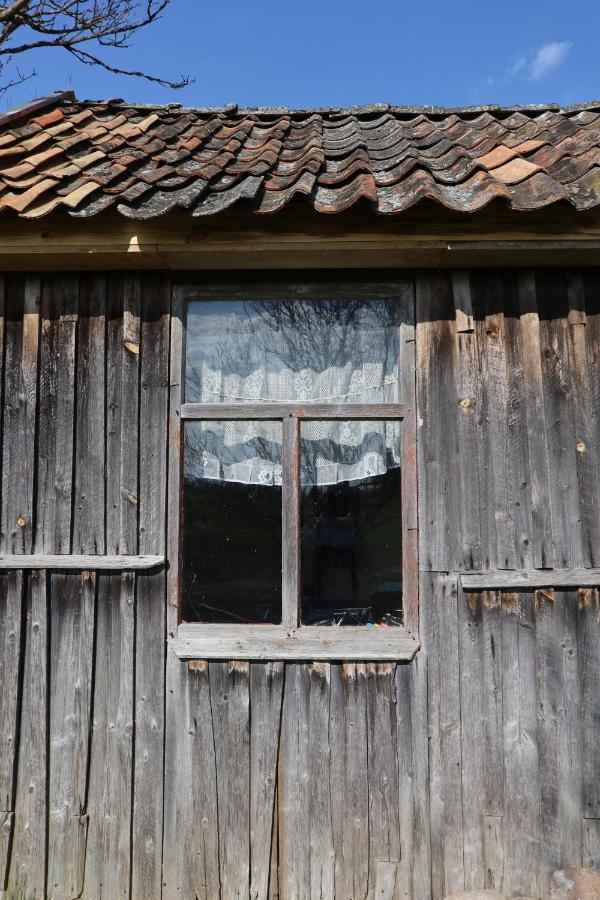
column 266, row 691
column 151, row 589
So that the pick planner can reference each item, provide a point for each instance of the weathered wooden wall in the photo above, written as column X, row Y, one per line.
column 124, row 773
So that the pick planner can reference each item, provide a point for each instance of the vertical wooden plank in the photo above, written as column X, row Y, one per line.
column 72, row 596
column 266, row 690
column 473, row 714
column 28, row 857
column 495, row 374
column 407, row 396
column 384, row 826
column 191, row 857
column 24, row 764
column 440, row 642
column 151, row 588
column 591, row 288
column 176, row 781
column 440, row 539
column 589, row 676
column 591, row 842
column 543, row 548
column 569, row 707
column 586, row 434
column 548, row 673
column 320, row 811
column 561, row 438
column 414, row 878
column 290, row 523
column 230, row 706
column 467, row 379
column 517, row 422
column 20, row 407
column 19, row 396
column 293, row 774
column 349, row 786
column 407, row 762
column 521, row 765
column 108, row 865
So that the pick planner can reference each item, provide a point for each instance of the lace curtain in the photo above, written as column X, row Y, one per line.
column 324, row 351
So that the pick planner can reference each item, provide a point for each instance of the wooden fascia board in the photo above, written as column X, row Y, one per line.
column 248, row 241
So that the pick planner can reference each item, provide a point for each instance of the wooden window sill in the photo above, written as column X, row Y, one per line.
column 275, row 642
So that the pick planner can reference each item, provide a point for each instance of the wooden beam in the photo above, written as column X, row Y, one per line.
column 275, row 411
column 299, row 238
column 275, row 642
column 81, row 562
column 530, row 578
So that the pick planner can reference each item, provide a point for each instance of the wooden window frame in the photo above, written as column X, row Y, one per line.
column 291, row 639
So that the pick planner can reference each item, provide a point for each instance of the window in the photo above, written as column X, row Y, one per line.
column 298, row 481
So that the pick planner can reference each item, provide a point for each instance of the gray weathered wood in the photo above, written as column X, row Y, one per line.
column 290, row 524
column 473, row 715
column 80, row 561
column 521, row 762
column 178, row 869
column 230, row 706
column 542, row 537
column 408, row 450
column 569, row 705
column 585, row 423
column 26, row 624
column 532, row 578
column 28, row 857
column 349, row 788
column 271, row 642
column 589, row 662
column 191, row 865
column 320, row 802
column 440, row 642
column 467, row 398
column 71, row 597
column 440, row 543
column 248, row 411
column 495, row 373
column 293, row 775
column 151, row 591
column 108, row 868
column 266, row 691
column 382, row 772
column 561, row 439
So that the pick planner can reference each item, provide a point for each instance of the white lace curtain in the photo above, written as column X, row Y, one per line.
column 285, row 351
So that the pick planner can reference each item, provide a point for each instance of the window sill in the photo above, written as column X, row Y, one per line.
column 274, row 642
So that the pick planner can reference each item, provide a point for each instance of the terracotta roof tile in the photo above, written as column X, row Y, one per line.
column 87, row 156
column 514, row 171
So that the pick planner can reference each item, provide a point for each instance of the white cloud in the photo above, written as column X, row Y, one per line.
column 516, row 66
column 547, row 58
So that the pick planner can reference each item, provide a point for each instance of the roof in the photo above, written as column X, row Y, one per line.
column 86, row 156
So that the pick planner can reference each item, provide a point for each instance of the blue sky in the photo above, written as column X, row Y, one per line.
column 314, row 53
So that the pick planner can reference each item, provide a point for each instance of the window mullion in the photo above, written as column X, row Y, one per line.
column 290, row 523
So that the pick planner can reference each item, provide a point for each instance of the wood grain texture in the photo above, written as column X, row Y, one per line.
column 149, row 698
column 266, row 692
column 531, row 578
column 80, row 561
column 272, row 642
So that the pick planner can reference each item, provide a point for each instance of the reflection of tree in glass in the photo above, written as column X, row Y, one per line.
column 280, row 335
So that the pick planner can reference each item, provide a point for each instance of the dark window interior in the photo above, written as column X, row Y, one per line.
column 231, row 538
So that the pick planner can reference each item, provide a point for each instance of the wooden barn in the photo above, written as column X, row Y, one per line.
column 300, row 501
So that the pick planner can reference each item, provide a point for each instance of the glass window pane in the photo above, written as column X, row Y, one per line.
column 232, row 522
column 327, row 351
column 351, row 523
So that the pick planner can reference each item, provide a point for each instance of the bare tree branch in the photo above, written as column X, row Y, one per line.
column 78, row 26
